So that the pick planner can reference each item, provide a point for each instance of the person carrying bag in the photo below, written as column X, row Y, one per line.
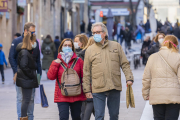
column 67, row 69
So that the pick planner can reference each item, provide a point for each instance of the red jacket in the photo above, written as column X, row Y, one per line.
column 57, row 70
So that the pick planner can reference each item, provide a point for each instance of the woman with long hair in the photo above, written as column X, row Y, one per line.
column 80, row 41
column 161, row 80
column 26, row 75
column 66, row 58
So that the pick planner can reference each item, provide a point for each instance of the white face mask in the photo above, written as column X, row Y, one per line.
column 161, row 40
column 34, row 45
column 76, row 45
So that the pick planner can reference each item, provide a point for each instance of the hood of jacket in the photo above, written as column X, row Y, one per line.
column 47, row 40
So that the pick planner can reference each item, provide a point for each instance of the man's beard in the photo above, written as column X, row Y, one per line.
column 33, row 38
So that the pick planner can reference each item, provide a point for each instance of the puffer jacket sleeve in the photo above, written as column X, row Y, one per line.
column 23, row 64
column 149, row 52
column 146, row 81
column 124, row 64
column 53, row 70
column 87, row 72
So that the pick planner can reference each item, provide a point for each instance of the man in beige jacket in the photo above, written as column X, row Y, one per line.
column 102, row 65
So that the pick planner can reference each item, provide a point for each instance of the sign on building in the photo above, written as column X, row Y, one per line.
column 22, row 3
column 3, row 5
column 78, row 1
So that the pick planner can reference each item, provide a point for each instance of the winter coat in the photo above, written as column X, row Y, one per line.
column 82, row 54
column 82, row 27
column 48, row 50
column 69, row 35
column 56, row 70
column 2, row 58
column 13, row 54
column 127, row 36
column 145, row 46
column 176, row 32
column 147, row 27
column 26, row 74
column 155, row 48
column 57, row 44
column 160, row 83
column 103, row 63
column 78, row 51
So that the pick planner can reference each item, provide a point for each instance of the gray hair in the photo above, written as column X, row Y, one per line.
column 104, row 28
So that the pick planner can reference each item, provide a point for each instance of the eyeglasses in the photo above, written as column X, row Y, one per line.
column 98, row 32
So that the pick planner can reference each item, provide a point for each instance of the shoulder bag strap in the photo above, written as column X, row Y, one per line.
column 166, row 63
column 74, row 63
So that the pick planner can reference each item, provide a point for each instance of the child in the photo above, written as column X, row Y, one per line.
column 2, row 61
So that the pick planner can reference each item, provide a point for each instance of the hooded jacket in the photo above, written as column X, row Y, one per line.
column 47, row 58
column 26, row 74
column 160, row 82
column 56, row 70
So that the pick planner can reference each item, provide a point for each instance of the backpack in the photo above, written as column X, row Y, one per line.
column 48, row 50
column 70, row 81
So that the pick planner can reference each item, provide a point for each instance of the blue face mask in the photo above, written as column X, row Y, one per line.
column 97, row 38
column 66, row 49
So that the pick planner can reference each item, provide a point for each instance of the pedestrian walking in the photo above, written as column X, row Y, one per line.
column 144, row 49
column 68, row 34
column 17, row 35
column 13, row 54
column 155, row 48
column 119, row 38
column 114, row 30
column 176, row 31
column 26, row 75
column 2, row 61
column 80, row 41
column 82, row 53
column 127, row 37
column 82, row 26
column 66, row 60
column 147, row 27
column 87, row 106
column 161, row 81
column 48, row 50
column 102, row 65
column 57, row 43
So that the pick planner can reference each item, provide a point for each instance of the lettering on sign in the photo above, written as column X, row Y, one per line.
column 3, row 5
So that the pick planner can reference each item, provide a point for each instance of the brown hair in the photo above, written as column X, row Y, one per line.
column 90, row 42
column 156, row 38
column 67, row 39
column 83, row 39
column 26, row 44
column 49, row 37
column 169, row 45
column 28, row 25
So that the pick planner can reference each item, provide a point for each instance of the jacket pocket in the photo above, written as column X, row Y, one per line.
column 98, row 80
column 96, row 58
column 116, row 77
column 114, row 55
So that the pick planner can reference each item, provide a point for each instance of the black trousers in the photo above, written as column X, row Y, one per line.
column 166, row 111
column 2, row 71
column 64, row 110
column 87, row 109
column 25, row 102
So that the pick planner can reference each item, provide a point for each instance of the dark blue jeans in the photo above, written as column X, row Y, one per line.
column 113, row 103
column 64, row 110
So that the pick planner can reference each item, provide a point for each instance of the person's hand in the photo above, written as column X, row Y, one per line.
column 26, row 33
column 89, row 95
column 14, row 78
column 147, row 98
column 58, row 61
column 129, row 83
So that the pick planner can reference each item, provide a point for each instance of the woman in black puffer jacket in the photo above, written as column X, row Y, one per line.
column 26, row 75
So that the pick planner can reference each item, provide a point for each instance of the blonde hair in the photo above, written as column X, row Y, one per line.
column 171, row 39
column 104, row 28
column 26, row 44
column 83, row 39
column 90, row 42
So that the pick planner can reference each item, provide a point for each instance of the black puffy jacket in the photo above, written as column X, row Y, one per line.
column 155, row 48
column 26, row 74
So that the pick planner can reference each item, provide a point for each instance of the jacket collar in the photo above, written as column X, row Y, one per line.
column 103, row 46
column 72, row 58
